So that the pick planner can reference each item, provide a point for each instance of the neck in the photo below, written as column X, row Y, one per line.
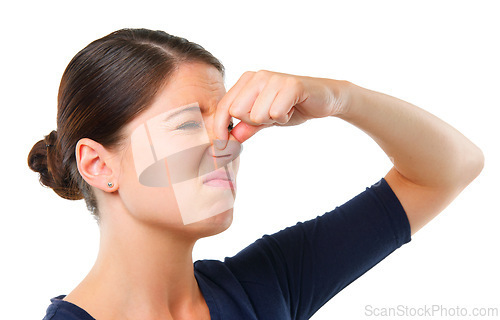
column 142, row 269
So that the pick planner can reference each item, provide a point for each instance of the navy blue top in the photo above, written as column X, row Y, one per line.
column 292, row 273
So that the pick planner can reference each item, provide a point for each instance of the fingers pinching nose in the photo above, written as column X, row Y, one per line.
column 221, row 143
column 220, row 140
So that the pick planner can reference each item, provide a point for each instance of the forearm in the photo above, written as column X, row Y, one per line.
column 423, row 148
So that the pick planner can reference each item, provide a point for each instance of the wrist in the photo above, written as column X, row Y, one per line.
column 342, row 91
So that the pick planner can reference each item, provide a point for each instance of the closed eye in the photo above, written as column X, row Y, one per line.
column 189, row 125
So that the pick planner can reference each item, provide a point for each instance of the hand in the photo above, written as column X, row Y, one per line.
column 265, row 98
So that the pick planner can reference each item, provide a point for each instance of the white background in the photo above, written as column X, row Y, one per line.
column 439, row 55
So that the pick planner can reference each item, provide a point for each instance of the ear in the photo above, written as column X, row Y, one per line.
column 91, row 162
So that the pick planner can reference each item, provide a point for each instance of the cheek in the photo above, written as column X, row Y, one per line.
column 185, row 202
column 157, row 205
column 153, row 204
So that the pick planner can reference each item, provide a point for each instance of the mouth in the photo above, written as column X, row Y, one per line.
column 221, row 178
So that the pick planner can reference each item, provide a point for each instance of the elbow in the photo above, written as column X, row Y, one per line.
column 474, row 164
column 479, row 163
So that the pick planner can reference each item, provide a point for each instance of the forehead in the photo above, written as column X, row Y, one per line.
column 193, row 82
column 190, row 83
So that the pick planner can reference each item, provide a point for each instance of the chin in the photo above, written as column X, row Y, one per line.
column 213, row 225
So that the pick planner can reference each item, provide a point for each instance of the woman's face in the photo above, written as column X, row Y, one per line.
column 169, row 157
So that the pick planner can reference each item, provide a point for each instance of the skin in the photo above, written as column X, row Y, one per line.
column 433, row 162
column 144, row 268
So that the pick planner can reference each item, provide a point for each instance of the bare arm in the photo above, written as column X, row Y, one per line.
column 433, row 162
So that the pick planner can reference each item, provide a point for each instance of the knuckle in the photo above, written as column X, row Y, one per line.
column 263, row 73
column 275, row 78
column 257, row 118
column 234, row 111
column 293, row 82
column 275, row 114
column 248, row 74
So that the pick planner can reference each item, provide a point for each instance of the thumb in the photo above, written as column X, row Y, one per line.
column 243, row 131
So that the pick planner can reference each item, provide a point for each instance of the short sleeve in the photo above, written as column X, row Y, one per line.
column 300, row 268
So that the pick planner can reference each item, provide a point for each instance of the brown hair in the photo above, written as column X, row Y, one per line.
column 103, row 88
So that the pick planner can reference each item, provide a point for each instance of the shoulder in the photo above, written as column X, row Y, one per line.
column 233, row 290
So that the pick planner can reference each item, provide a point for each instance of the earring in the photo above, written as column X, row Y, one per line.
column 110, row 184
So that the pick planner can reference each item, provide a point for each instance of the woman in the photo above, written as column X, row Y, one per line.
column 158, row 178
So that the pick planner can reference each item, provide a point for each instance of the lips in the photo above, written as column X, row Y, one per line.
column 219, row 174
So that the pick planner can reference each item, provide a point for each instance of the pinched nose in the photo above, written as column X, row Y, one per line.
column 229, row 153
column 219, row 144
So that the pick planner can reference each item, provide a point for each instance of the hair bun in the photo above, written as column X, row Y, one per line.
column 44, row 158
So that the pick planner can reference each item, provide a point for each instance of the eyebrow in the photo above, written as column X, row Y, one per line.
column 179, row 112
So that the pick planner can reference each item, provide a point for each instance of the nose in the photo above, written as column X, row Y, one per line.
column 233, row 146
column 228, row 154
column 215, row 144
